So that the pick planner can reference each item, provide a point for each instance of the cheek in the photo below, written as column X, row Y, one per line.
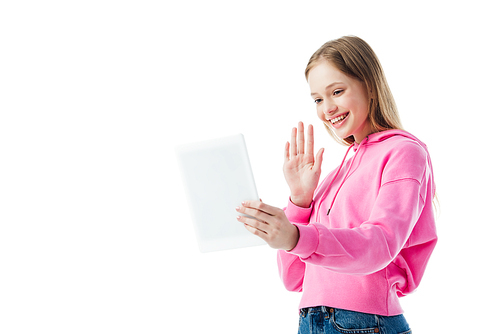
column 364, row 108
column 361, row 103
column 359, row 107
column 320, row 113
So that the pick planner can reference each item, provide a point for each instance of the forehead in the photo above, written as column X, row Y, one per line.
column 324, row 74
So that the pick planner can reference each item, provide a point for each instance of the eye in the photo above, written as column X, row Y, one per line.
column 338, row 92
column 317, row 101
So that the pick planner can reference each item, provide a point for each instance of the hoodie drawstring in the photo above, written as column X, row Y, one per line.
column 333, row 179
column 346, row 174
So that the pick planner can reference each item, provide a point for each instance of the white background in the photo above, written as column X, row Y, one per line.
column 95, row 236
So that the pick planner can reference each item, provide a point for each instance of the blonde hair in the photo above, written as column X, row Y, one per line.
column 354, row 57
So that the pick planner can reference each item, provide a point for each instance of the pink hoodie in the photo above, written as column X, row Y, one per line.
column 368, row 235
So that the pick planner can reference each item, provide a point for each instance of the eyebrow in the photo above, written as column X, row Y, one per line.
column 330, row 85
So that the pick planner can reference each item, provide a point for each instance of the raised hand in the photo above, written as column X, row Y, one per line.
column 302, row 170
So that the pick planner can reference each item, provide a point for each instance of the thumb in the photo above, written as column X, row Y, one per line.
column 319, row 158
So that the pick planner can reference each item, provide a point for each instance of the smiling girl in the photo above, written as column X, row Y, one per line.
column 362, row 237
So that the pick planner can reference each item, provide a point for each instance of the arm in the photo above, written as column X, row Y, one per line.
column 291, row 268
column 373, row 245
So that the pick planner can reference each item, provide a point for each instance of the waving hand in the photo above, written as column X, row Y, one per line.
column 302, row 170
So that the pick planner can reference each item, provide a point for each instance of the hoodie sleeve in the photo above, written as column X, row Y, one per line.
column 376, row 242
column 290, row 266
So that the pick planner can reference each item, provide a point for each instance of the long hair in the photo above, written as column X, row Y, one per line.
column 354, row 57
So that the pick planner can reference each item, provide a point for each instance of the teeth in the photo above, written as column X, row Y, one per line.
column 338, row 119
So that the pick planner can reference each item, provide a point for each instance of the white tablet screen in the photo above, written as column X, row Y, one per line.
column 218, row 177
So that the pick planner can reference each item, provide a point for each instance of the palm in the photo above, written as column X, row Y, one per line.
column 302, row 171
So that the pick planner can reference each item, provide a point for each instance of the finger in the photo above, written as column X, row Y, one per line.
column 257, row 232
column 293, row 142
column 310, row 140
column 259, row 207
column 254, row 214
column 287, row 151
column 256, row 224
column 300, row 148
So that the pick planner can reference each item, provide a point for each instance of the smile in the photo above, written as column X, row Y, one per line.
column 338, row 119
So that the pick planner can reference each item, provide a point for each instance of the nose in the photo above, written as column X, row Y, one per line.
column 329, row 108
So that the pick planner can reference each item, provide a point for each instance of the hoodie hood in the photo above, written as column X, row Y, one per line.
column 378, row 137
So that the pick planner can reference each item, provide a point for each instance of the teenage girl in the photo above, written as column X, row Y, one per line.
column 363, row 237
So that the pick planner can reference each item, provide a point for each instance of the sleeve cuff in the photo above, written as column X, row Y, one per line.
column 308, row 241
column 297, row 214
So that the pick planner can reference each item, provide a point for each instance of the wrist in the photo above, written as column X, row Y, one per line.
column 303, row 202
column 294, row 239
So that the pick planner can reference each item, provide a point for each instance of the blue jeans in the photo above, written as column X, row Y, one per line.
column 321, row 319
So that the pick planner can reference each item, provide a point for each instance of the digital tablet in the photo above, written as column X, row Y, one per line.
column 218, row 177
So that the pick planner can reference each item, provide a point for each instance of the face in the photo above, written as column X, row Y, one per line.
column 342, row 102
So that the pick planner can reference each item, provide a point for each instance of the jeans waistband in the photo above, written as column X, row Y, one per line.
column 316, row 309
